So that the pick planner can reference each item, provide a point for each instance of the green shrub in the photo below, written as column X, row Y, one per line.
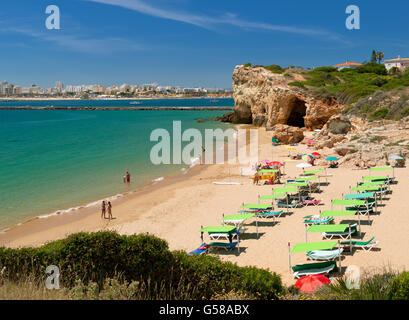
column 298, row 84
column 326, row 69
column 401, row 286
column 372, row 68
column 95, row 257
column 274, row 68
column 379, row 114
column 339, row 127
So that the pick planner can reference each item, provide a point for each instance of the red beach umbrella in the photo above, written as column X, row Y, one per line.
column 311, row 283
column 316, row 154
column 275, row 164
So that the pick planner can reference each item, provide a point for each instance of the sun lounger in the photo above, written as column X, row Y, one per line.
column 201, row 250
column 269, row 214
column 222, row 232
column 366, row 246
column 312, row 202
column 297, row 204
column 343, row 234
column 223, row 245
column 324, row 255
column 310, row 220
column 314, row 268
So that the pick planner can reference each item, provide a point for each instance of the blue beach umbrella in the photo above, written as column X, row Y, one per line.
column 331, row 159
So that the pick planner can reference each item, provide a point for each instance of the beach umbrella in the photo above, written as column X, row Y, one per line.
column 396, row 157
column 290, row 148
column 305, row 157
column 331, row 159
column 310, row 141
column 275, row 164
column 303, row 165
column 316, row 154
column 265, row 160
column 311, row 283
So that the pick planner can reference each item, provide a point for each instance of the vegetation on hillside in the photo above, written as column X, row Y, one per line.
column 368, row 90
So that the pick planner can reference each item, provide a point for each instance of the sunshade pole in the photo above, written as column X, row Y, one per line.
column 289, row 256
column 201, row 234
column 359, row 222
column 376, row 202
column 350, row 238
column 339, row 255
column 258, row 199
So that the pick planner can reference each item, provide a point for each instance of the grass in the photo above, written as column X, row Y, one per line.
column 386, row 284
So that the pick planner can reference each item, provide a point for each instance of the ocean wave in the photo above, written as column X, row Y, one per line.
column 89, row 205
column 194, row 161
column 158, row 179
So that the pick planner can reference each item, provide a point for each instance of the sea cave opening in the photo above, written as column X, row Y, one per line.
column 298, row 110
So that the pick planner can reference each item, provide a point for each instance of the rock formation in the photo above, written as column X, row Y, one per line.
column 265, row 99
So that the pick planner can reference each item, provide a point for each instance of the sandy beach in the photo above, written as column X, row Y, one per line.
column 176, row 208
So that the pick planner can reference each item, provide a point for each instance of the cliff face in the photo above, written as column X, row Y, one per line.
column 265, row 99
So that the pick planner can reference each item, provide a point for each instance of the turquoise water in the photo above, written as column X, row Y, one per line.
column 56, row 160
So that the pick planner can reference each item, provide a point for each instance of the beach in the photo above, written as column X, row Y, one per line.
column 177, row 207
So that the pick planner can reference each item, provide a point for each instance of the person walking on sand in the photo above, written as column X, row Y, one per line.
column 103, row 208
column 109, row 209
column 128, row 177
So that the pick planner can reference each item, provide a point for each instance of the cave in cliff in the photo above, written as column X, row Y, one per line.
column 297, row 113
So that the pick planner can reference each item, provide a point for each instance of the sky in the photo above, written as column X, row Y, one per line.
column 189, row 43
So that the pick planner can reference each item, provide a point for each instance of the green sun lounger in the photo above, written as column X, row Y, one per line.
column 364, row 245
column 221, row 232
column 341, row 234
column 223, row 245
column 301, row 270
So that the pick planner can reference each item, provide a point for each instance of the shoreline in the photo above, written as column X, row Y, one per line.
column 80, row 211
column 2, row 99
column 74, row 214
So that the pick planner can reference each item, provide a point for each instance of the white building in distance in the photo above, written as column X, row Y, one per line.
column 400, row 63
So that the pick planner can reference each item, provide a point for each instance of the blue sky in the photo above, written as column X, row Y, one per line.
column 188, row 42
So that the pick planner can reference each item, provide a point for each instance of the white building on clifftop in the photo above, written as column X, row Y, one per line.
column 400, row 63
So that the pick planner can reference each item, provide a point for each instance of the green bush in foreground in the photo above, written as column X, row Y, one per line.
column 386, row 285
column 96, row 257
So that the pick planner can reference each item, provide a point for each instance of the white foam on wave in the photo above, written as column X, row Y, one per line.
column 158, row 179
column 194, row 161
column 89, row 205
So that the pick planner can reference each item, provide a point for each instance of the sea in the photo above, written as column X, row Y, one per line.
column 57, row 161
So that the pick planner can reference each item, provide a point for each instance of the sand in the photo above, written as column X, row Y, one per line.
column 176, row 208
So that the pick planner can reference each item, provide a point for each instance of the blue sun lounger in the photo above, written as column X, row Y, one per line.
column 201, row 250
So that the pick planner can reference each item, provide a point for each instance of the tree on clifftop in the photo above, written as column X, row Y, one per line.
column 380, row 56
column 373, row 57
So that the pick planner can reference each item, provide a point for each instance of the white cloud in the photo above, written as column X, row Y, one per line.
column 208, row 22
column 84, row 45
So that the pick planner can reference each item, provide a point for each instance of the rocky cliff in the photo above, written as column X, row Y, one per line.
column 265, row 99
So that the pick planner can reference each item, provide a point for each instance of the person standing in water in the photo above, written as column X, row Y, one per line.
column 103, row 209
column 128, row 177
column 109, row 209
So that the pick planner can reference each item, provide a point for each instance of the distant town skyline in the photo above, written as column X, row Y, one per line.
column 185, row 42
